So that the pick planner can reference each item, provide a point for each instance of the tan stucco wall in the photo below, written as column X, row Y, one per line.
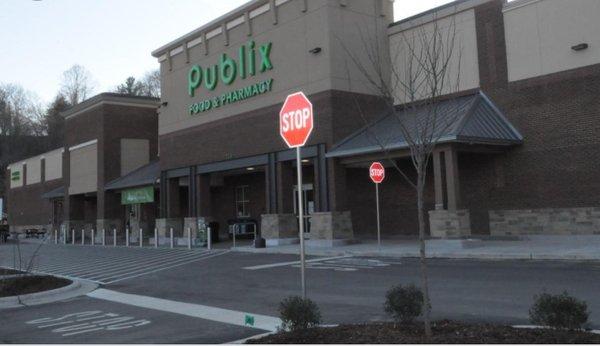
column 53, row 162
column 134, row 154
column 540, row 34
column 405, row 44
column 294, row 68
column 34, row 170
column 83, row 168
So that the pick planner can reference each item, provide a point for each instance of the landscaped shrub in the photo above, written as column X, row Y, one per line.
column 558, row 311
column 299, row 313
column 404, row 303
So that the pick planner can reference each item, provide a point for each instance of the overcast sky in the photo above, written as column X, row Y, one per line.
column 110, row 38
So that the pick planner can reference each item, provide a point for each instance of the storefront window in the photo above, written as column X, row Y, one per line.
column 242, row 200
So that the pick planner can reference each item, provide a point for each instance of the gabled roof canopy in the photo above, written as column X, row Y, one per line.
column 471, row 119
column 143, row 176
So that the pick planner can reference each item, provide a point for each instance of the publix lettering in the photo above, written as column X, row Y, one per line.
column 227, row 69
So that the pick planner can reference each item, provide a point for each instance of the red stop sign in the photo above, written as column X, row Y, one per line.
column 377, row 172
column 296, row 120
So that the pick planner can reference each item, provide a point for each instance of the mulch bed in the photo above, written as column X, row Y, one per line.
column 5, row 271
column 30, row 284
column 444, row 332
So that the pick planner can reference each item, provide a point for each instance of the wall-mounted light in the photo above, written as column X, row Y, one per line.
column 315, row 50
column 250, row 168
column 305, row 161
column 164, row 104
column 581, row 46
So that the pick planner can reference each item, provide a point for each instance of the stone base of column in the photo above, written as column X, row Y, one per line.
column 279, row 229
column 329, row 229
column 447, row 224
column 164, row 225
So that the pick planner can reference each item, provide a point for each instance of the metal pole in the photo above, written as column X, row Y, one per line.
column 301, row 221
column 73, row 236
column 141, row 238
column 155, row 237
column 93, row 237
column 82, row 237
column 103, row 237
column 114, row 237
column 171, row 231
column 127, row 237
column 209, row 239
column 234, row 232
column 55, row 236
column 189, row 238
column 378, row 221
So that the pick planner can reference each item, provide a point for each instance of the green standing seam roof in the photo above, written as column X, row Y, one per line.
column 475, row 120
column 145, row 175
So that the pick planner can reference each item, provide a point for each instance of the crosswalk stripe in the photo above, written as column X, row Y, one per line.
column 169, row 267
column 128, row 264
column 122, row 268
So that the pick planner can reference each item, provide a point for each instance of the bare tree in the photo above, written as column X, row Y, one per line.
column 151, row 84
column 422, row 67
column 77, row 84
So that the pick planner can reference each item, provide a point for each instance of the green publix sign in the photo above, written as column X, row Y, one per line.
column 226, row 71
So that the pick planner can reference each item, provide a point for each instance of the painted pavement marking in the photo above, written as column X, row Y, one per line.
column 106, row 265
column 238, row 318
column 284, row 264
column 87, row 322
column 340, row 263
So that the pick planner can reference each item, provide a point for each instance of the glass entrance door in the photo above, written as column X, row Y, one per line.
column 308, row 199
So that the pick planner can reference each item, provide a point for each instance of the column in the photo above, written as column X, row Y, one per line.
column 271, row 184
column 437, row 176
column 203, row 195
column 285, row 180
column 452, row 179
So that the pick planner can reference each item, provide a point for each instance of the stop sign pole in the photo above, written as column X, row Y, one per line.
column 377, row 174
column 295, row 126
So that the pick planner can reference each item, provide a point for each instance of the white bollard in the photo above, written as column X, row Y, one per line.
column 127, row 237
column 103, row 237
column 189, row 238
column 93, row 237
column 73, row 236
column 209, row 239
column 55, row 236
column 234, row 232
column 171, row 231
column 114, row 237
column 141, row 238
column 155, row 238
column 64, row 236
column 82, row 237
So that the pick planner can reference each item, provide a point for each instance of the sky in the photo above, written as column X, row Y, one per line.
column 112, row 39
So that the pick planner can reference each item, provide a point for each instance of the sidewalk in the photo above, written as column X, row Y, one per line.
column 574, row 247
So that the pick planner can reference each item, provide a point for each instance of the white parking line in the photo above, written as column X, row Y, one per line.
column 238, row 318
column 283, row 264
column 140, row 262
column 169, row 267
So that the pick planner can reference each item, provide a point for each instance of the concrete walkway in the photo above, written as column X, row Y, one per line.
column 575, row 247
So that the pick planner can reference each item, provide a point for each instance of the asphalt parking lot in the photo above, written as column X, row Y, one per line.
column 198, row 296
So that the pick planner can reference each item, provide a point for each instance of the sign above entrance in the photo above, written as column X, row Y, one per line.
column 296, row 120
column 251, row 60
column 377, row 172
column 137, row 196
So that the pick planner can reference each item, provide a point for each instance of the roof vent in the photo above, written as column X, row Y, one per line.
column 581, row 46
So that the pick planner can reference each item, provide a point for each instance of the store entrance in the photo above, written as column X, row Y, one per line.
column 308, row 200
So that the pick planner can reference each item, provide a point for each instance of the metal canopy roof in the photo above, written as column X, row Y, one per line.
column 474, row 120
column 56, row 193
column 145, row 175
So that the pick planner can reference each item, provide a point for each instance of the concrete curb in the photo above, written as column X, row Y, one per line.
column 432, row 255
column 75, row 289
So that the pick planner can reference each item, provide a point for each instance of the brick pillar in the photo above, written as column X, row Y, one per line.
column 437, row 176
column 452, row 179
column 203, row 195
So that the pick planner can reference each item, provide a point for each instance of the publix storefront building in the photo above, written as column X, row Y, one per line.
column 520, row 158
column 222, row 158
